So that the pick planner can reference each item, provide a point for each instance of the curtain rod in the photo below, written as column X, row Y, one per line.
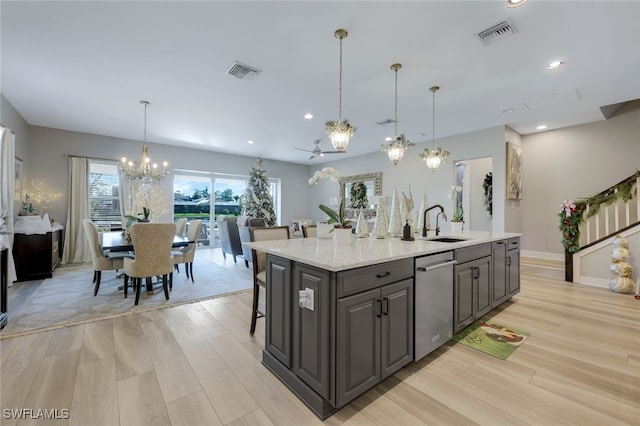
column 12, row 132
column 90, row 158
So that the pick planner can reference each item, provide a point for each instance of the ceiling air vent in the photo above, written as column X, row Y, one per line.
column 242, row 71
column 498, row 31
column 387, row 122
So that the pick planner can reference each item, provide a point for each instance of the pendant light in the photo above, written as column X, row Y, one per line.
column 398, row 146
column 144, row 171
column 436, row 156
column 340, row 131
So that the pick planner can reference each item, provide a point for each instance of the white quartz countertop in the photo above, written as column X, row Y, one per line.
column 325, row 254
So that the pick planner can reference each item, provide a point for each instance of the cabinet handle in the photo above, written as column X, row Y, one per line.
column 421, row 269
column 385, row 311
column 379, row 314
column 499, row 242
column 477, row 273
column 386, row 274
column 508, row 261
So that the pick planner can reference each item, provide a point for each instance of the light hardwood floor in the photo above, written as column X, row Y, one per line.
column 197, row 365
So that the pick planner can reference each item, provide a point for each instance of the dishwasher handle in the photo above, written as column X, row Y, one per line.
column 432, row 267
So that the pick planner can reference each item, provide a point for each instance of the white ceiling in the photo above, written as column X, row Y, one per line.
column 84, row 66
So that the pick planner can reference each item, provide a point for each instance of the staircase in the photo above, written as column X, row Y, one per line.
column 616, row 210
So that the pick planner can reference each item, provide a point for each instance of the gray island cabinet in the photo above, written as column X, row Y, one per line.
column 341, row 319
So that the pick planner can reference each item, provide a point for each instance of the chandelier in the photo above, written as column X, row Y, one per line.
column 397, row 147
column 340, row 131
column 144, row 170
column 435, row 156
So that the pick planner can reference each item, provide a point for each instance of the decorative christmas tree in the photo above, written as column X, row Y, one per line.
column 257, row 197
column 395, row 221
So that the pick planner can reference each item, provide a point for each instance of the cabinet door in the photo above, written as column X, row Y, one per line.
column 464, row 294
column 278, row 318
column 357, row 344
column 499, row 287
column 397, row 327
column 483, row 286
column 513, row 267
column 311, row 344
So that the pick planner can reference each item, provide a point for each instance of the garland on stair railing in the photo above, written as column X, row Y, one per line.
column 571, row 214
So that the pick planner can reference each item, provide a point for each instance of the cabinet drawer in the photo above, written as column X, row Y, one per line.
column 356, row 280
column 513, row 243
column 471, row 253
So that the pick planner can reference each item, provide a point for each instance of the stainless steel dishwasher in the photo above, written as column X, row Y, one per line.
column 433, row 302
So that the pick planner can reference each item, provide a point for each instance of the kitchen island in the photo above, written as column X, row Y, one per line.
column 342, row 318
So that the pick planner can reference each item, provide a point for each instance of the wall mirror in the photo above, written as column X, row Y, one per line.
column 372, row 181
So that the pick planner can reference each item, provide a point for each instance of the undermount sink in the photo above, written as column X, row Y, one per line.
column 446, row 239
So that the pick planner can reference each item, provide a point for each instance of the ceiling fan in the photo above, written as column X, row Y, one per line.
column 319, row 152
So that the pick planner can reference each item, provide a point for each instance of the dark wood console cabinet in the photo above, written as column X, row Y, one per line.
column 37, row 255
column 3, row 286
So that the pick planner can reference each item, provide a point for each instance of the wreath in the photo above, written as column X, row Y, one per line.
column 359, row 196
column 488, row 193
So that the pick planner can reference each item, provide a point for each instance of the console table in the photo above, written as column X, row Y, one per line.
column 37, row 255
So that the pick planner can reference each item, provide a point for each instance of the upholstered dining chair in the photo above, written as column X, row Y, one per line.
column 152, row 247
column 101, row 261
column 186, row 254
column 244, row 225
column 259, row 267
column 309, row 231
column 181, row 225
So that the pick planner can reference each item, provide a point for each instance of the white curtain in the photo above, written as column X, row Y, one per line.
column 124, row 191
column 7, row 180
column 76, row 244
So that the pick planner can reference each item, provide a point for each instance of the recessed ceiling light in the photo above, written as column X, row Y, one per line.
column 508, row 111
column 250, row 142
column 555, row 65
column 308, row 116
column 541, row 127
column 388, row 139
column 515, row 3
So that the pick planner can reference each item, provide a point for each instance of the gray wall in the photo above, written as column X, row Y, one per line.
column 574, row 162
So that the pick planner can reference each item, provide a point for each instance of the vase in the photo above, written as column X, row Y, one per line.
column 324, row 230
column 456, row 228
column 342, row 236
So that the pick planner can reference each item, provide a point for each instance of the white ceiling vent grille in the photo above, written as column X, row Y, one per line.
column 496, row 32
column 242, row 71
column 387, row 122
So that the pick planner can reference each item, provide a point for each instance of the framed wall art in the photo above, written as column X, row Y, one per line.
column 514, row 171
column 17, row 183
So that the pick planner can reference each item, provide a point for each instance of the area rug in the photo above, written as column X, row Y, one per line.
column 491, row 338
column 67, row 299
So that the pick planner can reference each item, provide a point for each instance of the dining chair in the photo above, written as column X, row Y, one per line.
column 309, row 231
column 181, row 225
column 152, row 247
column 259, row 260
column 244, row 225
column 101, row 261
column 186, row 254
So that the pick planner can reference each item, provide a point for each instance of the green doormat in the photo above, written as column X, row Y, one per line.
column 491, row 338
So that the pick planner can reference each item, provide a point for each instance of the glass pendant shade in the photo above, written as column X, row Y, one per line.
column 433, row 162
column 340, row 133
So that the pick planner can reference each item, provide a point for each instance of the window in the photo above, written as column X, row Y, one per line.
column 104, row 195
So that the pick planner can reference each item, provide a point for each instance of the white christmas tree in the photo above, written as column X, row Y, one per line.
column 395, row 221
column 257, row 201
column 423, row 206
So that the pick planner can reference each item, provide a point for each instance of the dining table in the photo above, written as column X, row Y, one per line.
column 116, row 242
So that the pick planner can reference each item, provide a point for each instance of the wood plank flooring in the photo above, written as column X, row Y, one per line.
column 197, row 365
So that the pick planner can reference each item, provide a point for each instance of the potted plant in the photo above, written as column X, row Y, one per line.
column 341, row 225
column 457, row 221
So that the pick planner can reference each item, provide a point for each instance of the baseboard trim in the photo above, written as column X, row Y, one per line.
column 542, row 255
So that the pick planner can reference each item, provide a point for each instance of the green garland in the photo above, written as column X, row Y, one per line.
column 571, row 215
